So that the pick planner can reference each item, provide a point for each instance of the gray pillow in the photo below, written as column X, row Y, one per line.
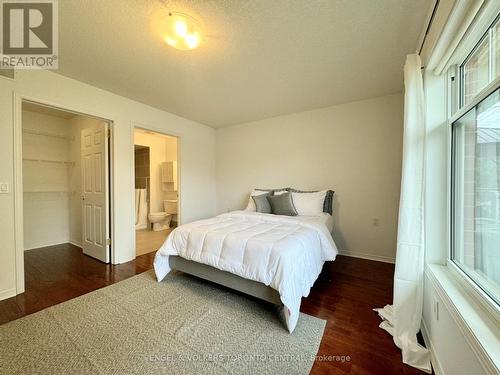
column 282, row 204
column 261, row 203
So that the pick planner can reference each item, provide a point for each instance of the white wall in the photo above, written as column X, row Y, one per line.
column 353, row 149
column 445, row 336
column 46, row 185
column 197, row 157
column 171, row 144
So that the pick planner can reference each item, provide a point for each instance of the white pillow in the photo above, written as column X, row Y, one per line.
column 309, row 204
column 279, row 192
column 251, row 203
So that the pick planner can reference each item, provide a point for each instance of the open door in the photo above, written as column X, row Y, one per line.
column 94, row 164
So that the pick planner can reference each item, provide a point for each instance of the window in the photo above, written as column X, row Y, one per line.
column 496, row 47
column 476, row 193
column 482, row 66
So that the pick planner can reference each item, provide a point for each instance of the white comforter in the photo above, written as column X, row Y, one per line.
column 285, row 253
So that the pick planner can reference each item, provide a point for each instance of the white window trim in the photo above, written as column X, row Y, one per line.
column 467, row 25
column 474, row 291
column 471, row 287
column 473, row 314
column 479, row 330
column 483, row 94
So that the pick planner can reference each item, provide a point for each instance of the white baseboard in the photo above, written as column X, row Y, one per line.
column 436, row 365
column 76, row 243
column 4, row 294
column 378, row 258
column 124, row 259
column 37, row 245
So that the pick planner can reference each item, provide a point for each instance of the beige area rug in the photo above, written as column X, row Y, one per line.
column 182, row 325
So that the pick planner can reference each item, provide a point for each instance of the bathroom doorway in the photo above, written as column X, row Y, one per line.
column 156, row 180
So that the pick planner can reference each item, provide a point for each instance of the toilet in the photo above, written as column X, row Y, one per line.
column 161, row 220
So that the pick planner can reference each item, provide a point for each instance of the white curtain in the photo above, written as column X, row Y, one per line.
column 402, row 319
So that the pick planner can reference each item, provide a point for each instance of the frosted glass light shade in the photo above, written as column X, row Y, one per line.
column 180, row 31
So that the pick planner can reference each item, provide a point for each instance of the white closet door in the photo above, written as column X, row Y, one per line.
column 94, row 164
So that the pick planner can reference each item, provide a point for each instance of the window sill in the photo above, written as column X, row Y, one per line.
column 478, row 326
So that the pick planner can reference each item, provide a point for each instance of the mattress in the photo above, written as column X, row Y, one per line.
column 283, row 252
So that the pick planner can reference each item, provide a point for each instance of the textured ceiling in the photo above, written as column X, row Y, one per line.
column 260, row 58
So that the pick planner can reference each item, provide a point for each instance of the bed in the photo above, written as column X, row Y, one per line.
column 273, row 257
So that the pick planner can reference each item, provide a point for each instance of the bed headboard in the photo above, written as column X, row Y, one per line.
column 328, row 204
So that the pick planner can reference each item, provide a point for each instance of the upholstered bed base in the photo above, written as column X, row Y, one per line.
column 226, row 279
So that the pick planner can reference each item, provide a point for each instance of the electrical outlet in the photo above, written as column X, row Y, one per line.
column 4, row 188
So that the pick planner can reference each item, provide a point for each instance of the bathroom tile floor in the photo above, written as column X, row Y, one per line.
column 147, row 240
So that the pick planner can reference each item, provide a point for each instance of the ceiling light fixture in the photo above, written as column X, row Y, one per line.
column 181, row 31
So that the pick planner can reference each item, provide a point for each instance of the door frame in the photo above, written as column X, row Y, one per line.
column 18, row 100
column 141, row 126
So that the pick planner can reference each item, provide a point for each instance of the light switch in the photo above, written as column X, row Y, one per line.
column 4, row 188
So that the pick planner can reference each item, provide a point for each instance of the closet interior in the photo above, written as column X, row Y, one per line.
column 53, row 191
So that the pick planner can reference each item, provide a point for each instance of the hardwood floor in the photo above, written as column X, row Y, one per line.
column 344, row 295
column 56, row 274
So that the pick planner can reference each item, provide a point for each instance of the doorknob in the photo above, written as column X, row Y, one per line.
column 83, row 197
